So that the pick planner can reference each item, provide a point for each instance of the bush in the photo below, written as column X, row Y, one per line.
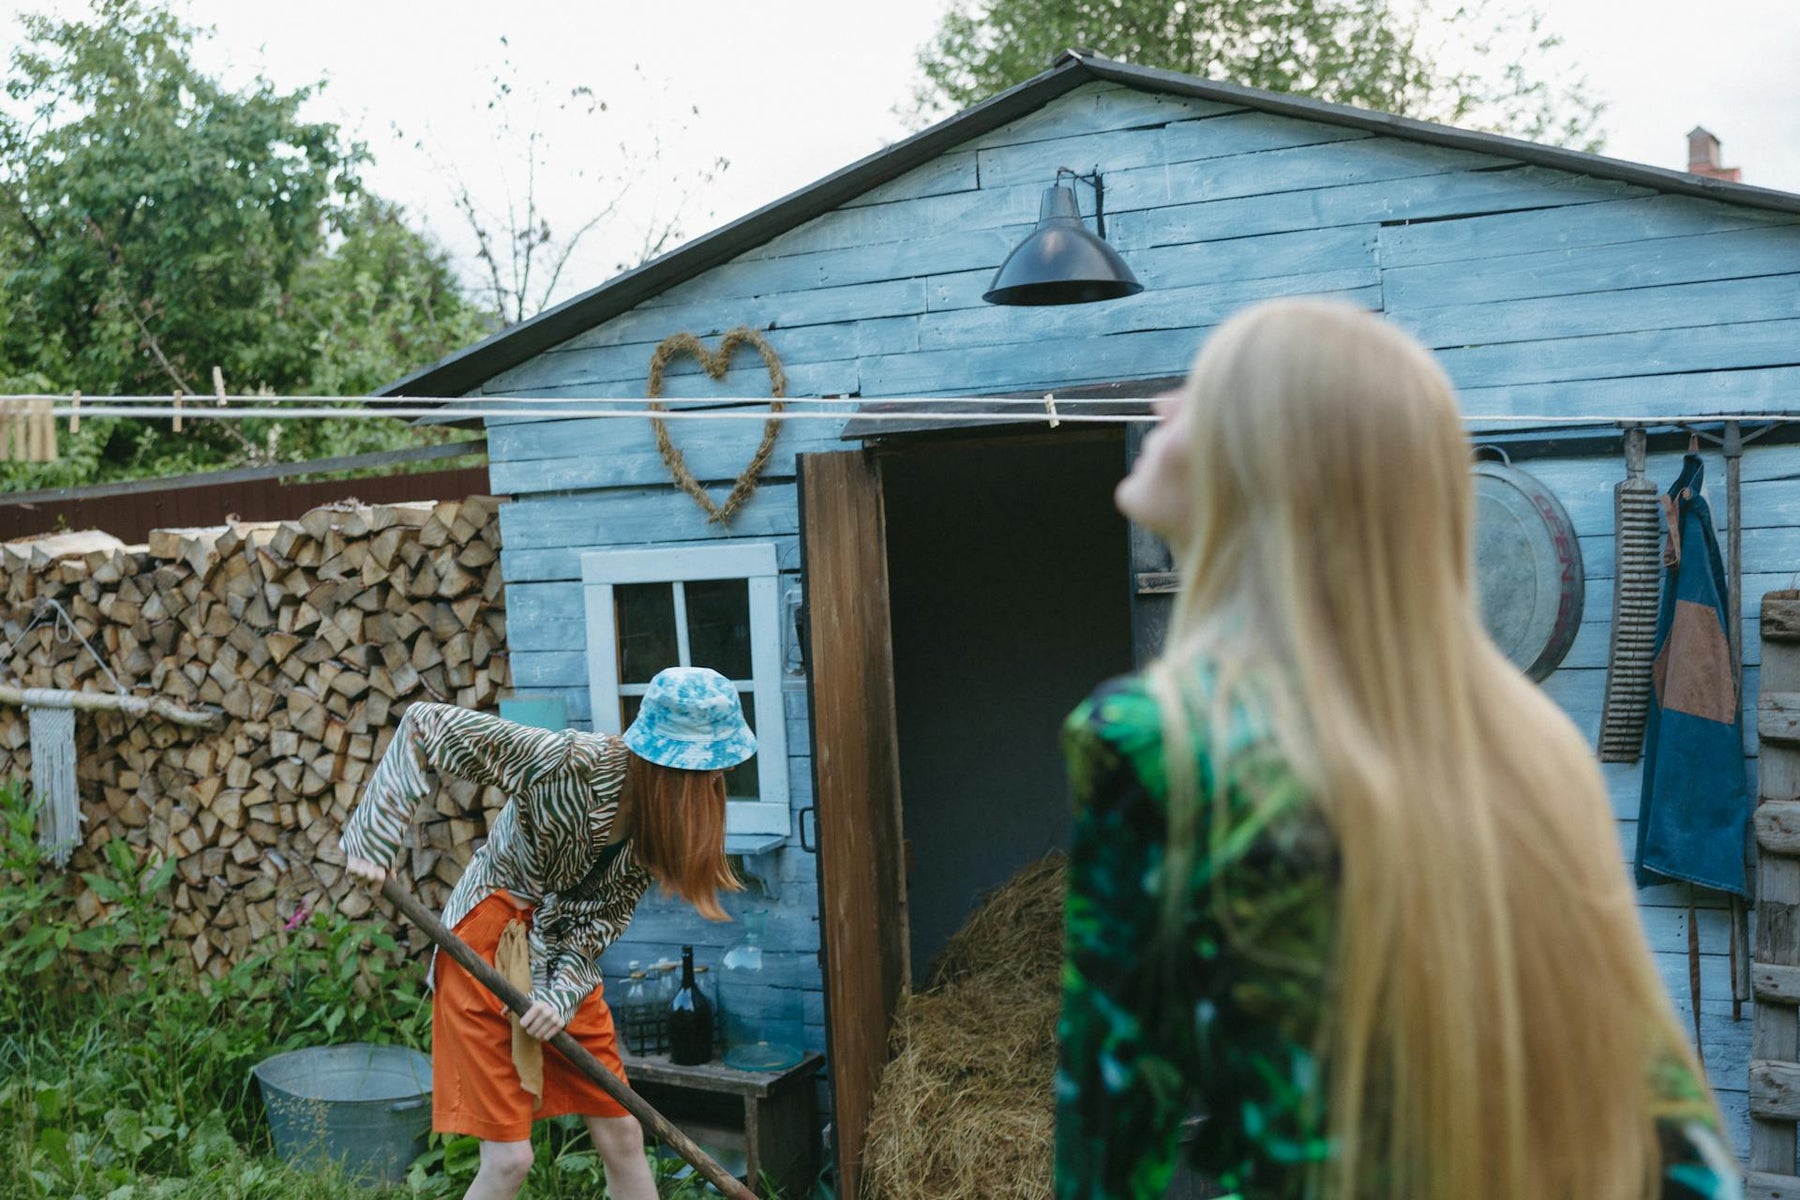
column 125, row 1074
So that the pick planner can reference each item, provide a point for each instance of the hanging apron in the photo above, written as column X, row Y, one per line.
column 1695, row 810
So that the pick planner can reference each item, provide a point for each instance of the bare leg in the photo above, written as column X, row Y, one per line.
column 620, row 1141
column 504, row 1166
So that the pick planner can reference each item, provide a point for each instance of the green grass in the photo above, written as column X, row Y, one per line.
column 125, row 1077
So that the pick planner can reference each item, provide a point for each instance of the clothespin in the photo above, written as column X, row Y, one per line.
column 177, row 410
column 1693, row 442
column 75, row 411
column 1050, row 407
column 219, row 385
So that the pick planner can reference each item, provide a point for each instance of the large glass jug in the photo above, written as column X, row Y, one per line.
column 759, row 992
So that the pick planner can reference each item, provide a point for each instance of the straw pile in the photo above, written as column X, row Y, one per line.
column 964, row 1108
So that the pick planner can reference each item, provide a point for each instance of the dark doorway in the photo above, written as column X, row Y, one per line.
column 1009, row 576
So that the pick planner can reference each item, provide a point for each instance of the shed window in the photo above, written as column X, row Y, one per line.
column 697, row 606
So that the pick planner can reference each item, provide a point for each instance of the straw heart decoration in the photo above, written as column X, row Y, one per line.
column 715, row 363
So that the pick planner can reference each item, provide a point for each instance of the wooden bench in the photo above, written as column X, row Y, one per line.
column 767, row 1121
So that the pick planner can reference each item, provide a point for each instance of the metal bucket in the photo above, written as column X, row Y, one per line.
column 365, row 1108
column 1527, row 567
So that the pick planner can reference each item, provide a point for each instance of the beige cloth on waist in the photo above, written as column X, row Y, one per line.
column 512, row 958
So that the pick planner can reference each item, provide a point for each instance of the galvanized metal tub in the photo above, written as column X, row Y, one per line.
column 365, row 1108
column 1527, row 568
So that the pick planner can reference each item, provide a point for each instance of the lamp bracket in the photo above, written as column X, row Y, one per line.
column 1093, row 180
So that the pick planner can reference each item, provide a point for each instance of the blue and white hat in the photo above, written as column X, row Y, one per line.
column 691, row 719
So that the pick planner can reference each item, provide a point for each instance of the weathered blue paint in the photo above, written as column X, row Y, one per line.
column 1726, row 254
column 1644, row 218
column 1672, row 307
column 1548, row 295
column 1410, row 198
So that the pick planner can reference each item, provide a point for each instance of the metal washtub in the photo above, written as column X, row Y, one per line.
column 365, row 1108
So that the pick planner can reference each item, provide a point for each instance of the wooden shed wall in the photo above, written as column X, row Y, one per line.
column 1544, row 294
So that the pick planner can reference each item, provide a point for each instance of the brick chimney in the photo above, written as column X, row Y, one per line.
column 1703, row 157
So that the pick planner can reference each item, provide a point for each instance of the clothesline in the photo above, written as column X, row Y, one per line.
column 912, row 410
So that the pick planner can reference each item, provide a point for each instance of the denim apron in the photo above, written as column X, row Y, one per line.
column 1695, row 810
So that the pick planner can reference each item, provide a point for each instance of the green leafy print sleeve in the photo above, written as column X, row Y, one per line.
column 1120, row 1092
column 1227, row 1028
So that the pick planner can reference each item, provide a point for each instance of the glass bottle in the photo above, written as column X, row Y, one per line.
column 707, row 981
column 761, row 1000
column 637, row 1016
column 665, row 981
column 690, row 1019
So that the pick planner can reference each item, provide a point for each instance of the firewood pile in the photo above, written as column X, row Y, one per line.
column 307, row 638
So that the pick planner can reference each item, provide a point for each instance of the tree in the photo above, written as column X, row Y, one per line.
column 155, row 224
column 1375, row 53
column 383, row 301
column 521, row 248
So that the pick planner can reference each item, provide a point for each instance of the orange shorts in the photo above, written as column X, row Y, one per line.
column 474, row 1086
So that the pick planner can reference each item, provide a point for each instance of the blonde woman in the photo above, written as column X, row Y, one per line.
column 1341, row 877
column 590, row 820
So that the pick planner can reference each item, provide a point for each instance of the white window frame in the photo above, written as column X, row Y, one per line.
column 753, row 562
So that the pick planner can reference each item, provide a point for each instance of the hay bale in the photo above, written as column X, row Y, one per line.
column 965, row 1106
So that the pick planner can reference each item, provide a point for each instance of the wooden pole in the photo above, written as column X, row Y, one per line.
column 1733, row 446
column 658, row 1125
column 132, row 706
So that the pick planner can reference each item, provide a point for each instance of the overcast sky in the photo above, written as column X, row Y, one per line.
column 790, row 90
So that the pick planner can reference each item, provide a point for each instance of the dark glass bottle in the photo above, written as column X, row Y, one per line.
column 690, row 1019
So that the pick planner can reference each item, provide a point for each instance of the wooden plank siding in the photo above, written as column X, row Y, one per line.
column 1545, row 294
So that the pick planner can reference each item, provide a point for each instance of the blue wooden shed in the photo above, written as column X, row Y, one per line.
column 908, row 709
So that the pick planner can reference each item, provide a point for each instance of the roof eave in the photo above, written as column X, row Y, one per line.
column 468, row 368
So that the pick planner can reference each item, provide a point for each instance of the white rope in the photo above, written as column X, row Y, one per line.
column 53, row 773
column 265, row 405
column 893, row 409
column 543, row 410
column 65, row 631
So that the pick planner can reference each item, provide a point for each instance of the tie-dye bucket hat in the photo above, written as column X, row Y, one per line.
column 691, row 719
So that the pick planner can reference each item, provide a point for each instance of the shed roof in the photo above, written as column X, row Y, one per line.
column 469, row 368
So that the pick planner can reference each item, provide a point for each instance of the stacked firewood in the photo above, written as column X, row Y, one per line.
column 306, row 639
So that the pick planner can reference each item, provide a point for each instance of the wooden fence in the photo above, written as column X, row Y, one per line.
column 129, row 511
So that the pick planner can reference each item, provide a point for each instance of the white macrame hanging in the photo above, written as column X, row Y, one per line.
column 53, row 773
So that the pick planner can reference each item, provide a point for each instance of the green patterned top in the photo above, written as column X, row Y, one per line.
column 1232, row 1033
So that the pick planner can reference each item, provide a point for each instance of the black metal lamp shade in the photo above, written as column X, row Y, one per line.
column 1061, row 262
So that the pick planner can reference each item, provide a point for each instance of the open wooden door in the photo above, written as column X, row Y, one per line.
column 862, row 881
column 1152, row 574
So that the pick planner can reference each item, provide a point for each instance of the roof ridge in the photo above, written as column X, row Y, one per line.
column 466, row 369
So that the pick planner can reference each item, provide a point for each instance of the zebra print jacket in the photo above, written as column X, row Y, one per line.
column 548, row 846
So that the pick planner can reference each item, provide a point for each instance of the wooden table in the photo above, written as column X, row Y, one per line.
column 770, row 1118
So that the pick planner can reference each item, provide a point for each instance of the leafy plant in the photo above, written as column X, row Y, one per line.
column 124, row 1076
column 156, row 223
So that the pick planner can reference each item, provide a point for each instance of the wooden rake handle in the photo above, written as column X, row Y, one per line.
column 658, row 1125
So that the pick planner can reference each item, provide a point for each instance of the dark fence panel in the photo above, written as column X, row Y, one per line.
column 131, row 518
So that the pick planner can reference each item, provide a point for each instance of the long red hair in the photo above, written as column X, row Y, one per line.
column 678, row 828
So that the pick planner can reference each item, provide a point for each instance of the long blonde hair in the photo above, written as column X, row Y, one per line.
column 1493, row 1010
